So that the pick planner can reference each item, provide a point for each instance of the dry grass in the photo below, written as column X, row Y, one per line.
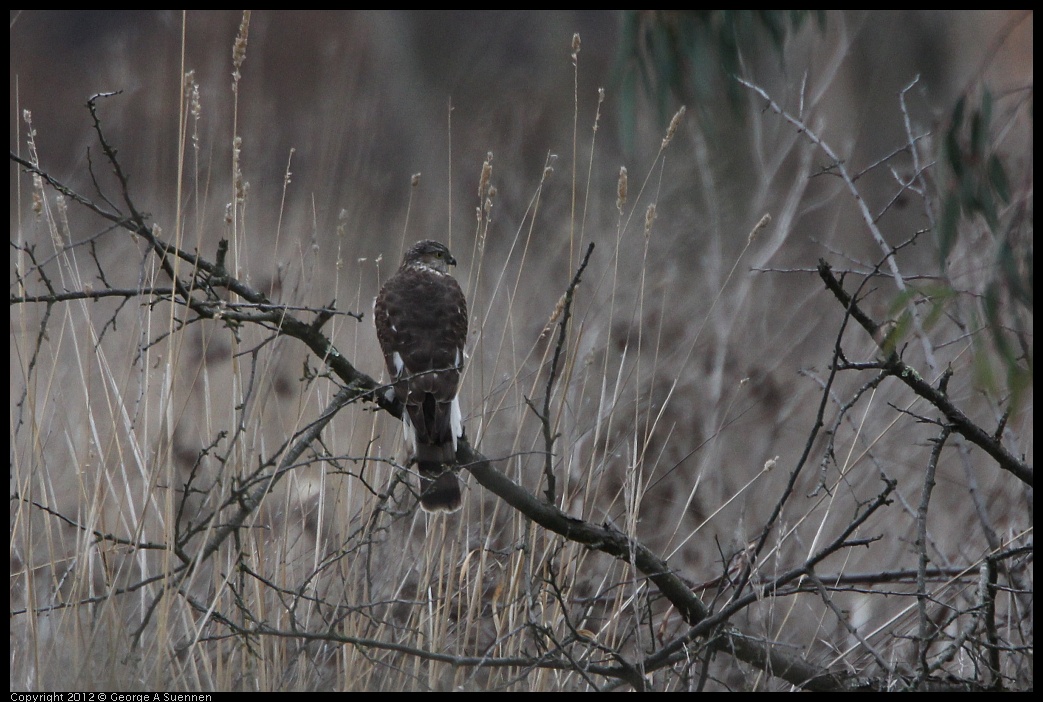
column 677, row 406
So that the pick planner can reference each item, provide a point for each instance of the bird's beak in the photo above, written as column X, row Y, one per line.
column 451, row 261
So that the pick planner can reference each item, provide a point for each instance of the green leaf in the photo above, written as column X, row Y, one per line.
column 979, row 132
column 947, row 226
column 986, row 109
column 957, row 115
column 987, row 206
column 938, row 297
column 952, row 154
column 998, row 178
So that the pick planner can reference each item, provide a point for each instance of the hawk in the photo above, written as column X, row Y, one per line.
column 421, row 320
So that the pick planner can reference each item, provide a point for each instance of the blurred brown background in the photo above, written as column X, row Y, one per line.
column 364, row 100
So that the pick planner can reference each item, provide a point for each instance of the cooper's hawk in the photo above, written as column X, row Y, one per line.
column 421, row 320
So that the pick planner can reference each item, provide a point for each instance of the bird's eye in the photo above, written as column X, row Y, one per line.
column 438, row 254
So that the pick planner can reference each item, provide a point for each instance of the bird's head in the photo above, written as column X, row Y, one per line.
column 429, row 254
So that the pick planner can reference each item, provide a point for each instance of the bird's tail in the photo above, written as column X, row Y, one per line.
column 439, row 488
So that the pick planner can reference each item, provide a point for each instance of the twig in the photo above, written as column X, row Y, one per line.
column 563, row 322
column 924, row 638
column 898, row 368
column 867, row 216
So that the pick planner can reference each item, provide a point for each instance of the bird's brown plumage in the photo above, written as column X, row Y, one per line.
column 421, row 320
